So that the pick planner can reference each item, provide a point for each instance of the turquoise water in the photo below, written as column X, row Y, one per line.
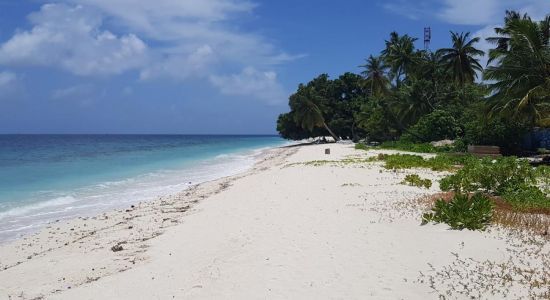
column 50, row 177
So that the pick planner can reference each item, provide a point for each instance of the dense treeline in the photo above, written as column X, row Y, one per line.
column 420, row 96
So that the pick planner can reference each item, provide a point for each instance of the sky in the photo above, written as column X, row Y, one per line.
column 199, row 66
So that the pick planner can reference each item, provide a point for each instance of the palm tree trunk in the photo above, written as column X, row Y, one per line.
column 336, row 139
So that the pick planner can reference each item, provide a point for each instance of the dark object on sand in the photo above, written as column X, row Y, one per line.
column 327, row 151
column 117, row 248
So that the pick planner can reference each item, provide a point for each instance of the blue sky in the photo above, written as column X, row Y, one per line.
column 198, row 66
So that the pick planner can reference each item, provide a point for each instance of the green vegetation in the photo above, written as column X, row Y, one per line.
column 404, row 98
column 414, row 147
column 490, row 176
column 360, row 146
column 462, row 212
column 441, row 162
column 415, row 180
column 410, row 96
column 514, row 180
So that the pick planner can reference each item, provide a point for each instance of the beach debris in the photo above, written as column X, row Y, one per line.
column 327, row 151
column 117, row 248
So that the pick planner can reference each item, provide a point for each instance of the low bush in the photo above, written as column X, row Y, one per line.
column 492, row 176
column 462, row 212
column 514, row 180
column 415, row 180
column 506, row 133
column 526, row 198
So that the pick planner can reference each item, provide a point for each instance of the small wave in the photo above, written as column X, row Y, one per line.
column 26, row 210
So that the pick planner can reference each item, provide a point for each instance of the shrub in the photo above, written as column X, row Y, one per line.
column 415, row 180
column 462, row 212
column 435, row 126
column 514, row 180
column 498, row 131
column 526, row 198
column 493, row 176
column 460, row 145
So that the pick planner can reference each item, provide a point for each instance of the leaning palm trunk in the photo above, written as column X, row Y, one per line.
column 336, row 139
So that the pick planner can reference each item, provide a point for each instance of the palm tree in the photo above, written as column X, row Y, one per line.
column 400, row 56
column 413, row 101
column 375, row 75
column 462, row 58
column 520, row 70
column 308, row 113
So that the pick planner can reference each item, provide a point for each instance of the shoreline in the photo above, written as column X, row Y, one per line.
column 111, row 228
column 283, row 229
column 98, row 197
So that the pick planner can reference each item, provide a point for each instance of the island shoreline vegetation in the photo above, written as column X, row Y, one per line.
column 414, row 96
column 406, row 98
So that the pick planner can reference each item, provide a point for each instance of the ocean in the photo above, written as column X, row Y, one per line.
column 44, row 178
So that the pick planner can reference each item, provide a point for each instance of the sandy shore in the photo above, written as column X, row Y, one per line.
column 287, row 229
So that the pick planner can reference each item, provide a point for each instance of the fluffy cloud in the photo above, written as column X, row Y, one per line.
column 177, row 39
column 263, row 85
column 70, row 37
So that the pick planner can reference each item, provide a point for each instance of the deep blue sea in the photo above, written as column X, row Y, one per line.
column 50, row 177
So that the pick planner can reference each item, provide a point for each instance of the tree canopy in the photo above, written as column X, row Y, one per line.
column 421, row 95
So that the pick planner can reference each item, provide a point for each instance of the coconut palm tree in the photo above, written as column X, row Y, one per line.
column 308, row 112
column 520, row 69
column 400, row 56
column 375, row 76
column 462, row 59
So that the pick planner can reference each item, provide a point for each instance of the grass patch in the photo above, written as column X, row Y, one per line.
column 414, row 147
column 406, row 146
column 442, row 162
column 361, row 146
column 415, row 180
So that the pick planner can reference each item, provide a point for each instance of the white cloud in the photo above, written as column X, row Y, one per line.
column 171, row 19
column 199, row 37
column 177, row 39
column 70, row 37
column 470, row 12
column 484, row 45
column 261, row 85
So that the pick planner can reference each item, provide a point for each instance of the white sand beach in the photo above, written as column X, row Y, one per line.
column 287, row 229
